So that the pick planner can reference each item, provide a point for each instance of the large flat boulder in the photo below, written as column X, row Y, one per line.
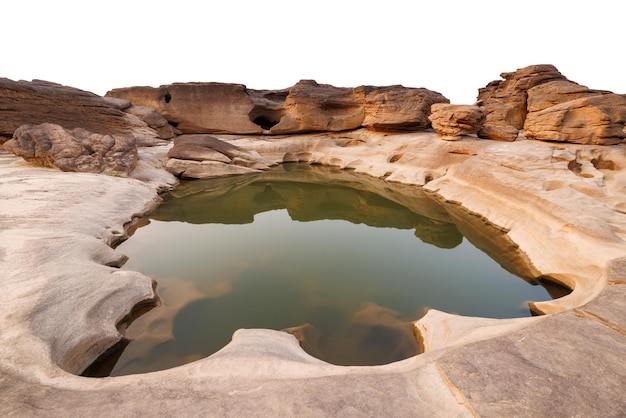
column 308, row 106
column 36, row 102
column 77, row 150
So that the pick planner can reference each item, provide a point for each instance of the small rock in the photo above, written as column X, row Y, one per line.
column 452, row 121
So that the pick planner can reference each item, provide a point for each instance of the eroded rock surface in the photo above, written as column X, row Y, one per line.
column 78, row 150
column 543, row 104
column 38, row 102
column 305, row 107
column 452, row 121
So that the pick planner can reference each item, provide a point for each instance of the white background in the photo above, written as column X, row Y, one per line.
column 453, row 47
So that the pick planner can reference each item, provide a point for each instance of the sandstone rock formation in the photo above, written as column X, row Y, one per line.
column 547, row 106
column 204, row 156
column 37, row 102
column 452, row 121
column 595, row 120
column 305, row 107
column 78, row 150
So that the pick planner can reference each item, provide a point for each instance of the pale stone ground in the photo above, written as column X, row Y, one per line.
column 564, row 206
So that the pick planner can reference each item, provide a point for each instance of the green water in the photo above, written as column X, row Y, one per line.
column 345, row 263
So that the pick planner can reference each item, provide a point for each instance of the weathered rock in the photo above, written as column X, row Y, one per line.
column 397, row 108
column 78, row 150
column 37, row 102
column 453, row 121
column 549, row 107
column 197, row 107
column 597, row 120
column 154, row 120
column 505, row 100
column 305, row 107
column 310, row 106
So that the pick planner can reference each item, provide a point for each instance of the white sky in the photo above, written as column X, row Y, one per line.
column 449, row 46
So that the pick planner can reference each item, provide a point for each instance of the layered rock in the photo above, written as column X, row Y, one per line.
column 539, row 101
column 37, row 102
column 78, row 150
column 204, row 156
column 581, row 116
column 453, row 121
column 305, row 107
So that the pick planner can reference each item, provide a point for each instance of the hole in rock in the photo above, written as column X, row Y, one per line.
column 265, row 123
column 344, row 262
column 167, row 97
column 265, row 118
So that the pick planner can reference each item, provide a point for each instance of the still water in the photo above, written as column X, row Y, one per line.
column 344, row 263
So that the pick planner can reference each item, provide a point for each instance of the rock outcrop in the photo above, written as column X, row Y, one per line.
column 592, row 119
column 452, row 121
column 204, row 156
column 540, row 102
column 37, row 102
column 78, row 150
column 306, row 107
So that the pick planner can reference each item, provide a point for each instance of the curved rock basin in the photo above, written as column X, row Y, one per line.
column 562, row 206
column 347, row 276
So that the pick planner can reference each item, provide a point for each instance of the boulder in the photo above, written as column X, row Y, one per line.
column 505, row 100
column 204, row 156
column 597, row 120
column 310, row 106
column 452, row 121
column 398, row 108
column 78, row 150
column 196, row 108
column 547, row 106
column 37, row 102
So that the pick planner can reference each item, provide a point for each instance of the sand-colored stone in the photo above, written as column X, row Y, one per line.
column 305, row 107
column 541, row 103
column 453, row 121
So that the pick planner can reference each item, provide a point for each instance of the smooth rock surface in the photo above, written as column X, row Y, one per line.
column 561, row 207
column 37, row 102
column 452, row 121
column 199, row 156
column 77, row 150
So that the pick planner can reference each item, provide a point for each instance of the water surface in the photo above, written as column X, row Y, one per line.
column 345, row 263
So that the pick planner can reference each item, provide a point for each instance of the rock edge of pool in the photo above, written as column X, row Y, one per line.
column 64, row 296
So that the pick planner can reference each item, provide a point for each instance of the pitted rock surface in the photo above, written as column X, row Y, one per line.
column 74, row 150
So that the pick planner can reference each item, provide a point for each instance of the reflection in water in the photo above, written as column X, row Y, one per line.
column 227, row 254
